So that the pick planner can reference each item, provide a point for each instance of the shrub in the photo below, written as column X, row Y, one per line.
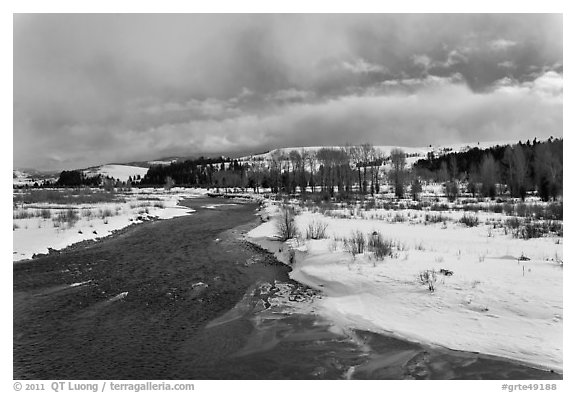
column 533, row 229
column 68, row 216
column 513, row 223
column 508, row 209
column 22, row 214
column 105, row 213
column 469, row 221
column 356, row 243
column 316, row 230
column 285, row 226
column 379, row 246
column 66, row 196
column 521, row 210
column 439, row 207
column 452, row 190
column 435, row 218
column 45, row 214
column 428, row 278
column 497, row 208
column 471, row 207
column 554, row 211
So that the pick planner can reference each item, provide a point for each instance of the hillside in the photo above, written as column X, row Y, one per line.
column 414, row 153
column 116, row 171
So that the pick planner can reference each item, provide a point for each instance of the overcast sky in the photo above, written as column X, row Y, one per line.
column 93, row 89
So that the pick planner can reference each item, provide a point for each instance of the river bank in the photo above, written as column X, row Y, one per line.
column 491, row 303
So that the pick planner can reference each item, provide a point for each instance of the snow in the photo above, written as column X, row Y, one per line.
column 36, row 234
column 492, row 304
column 116, row 171
column 162, row 162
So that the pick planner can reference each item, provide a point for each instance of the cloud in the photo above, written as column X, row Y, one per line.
column 455, row 57
column 290, row 95
column 507, row 64
column 422, row 61
column 93, row 88
column 361, row 66
column 501, row 44
column 434, row 110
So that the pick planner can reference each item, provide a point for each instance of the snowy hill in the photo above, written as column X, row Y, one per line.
column 23, row 177
column 116, row 171
column 414, row 153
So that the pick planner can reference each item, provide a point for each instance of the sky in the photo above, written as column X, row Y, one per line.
column 91, row 89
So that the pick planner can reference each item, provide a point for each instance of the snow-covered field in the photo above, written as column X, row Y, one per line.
column 493, row 303
column 39, row 226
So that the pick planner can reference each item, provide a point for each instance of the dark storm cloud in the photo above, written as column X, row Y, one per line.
column 98, row 88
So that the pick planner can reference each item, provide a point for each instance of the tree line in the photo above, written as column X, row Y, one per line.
column 341, row 171
column 516, row 169
column 331, row 171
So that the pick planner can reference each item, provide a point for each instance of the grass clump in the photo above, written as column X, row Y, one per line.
column 435, row 218
column 380, row 247
column 316, row 230
column 45, row 214
column 428, row 278
column 68, row 216
column 355, row 244
column 469, row 220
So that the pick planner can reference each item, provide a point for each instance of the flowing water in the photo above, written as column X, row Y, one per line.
column 187, row 298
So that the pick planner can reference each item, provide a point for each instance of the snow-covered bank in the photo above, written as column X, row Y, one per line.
column 38, row 227
column 493, row 303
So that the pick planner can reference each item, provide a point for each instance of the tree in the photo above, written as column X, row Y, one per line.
column 451, row 190
column 453, row 167
column 366, row 154
column 488, row 176
column 473, row 182
column 296, row 160
column 169, row 183
column 397, row 172
column 356, row 156
column 415, row 188
column 71, row 178
column 311, row 160
column 548, row 172
column 517, row 171
column 443, row 173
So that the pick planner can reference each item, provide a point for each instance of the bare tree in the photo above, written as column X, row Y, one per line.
column 488, row 176
column 285, row 226
column 296, row 159
column 366, row 153
column 310, row 158
column 517, row 169
column 397, row 172
column 356, row 156
column 415, row 188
